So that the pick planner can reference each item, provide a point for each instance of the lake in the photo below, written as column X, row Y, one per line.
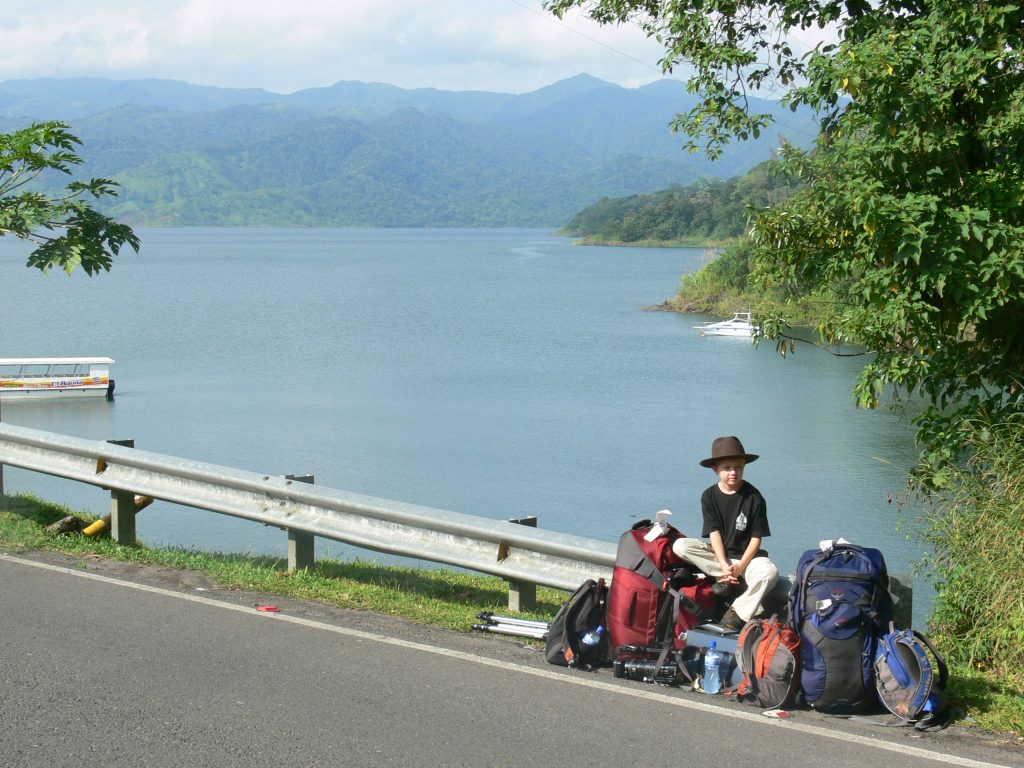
column 499, row 373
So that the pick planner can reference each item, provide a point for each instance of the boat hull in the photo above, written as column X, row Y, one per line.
column 746, row 332
column 48, row 392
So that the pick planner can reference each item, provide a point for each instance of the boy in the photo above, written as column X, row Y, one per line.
column 736, row 520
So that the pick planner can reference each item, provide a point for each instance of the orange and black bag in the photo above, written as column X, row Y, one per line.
column 769, row 656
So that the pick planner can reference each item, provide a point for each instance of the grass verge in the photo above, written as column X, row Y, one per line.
column 430, row 596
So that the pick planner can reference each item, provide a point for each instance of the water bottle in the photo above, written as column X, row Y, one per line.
column 593, row 637
column 712, row 679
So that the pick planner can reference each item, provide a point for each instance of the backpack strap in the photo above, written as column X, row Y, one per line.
column 941, row 662
column 752, row 633
column 941, row 713
column 666, row 627
column 878, row 595
column 680, row 601
column 769, row 644
column 799, row 587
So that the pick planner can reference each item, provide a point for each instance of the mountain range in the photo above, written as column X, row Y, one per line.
column 371, row 154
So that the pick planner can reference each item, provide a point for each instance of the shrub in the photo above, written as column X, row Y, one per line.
column 973, row 524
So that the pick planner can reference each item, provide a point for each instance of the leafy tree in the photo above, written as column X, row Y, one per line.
column 68, row 232
column 913, row 211
column 911, row 214
column 911, row 218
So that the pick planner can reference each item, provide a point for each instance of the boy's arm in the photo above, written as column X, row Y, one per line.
column 718, row 546
column 748, row 554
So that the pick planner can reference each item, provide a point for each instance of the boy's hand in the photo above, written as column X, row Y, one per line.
column 731, row 574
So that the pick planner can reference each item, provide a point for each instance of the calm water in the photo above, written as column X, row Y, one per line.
column 498, row 373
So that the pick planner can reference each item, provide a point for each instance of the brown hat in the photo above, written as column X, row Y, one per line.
column 728, row 447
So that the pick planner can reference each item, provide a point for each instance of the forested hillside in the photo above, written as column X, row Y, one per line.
column 359, row 154
column 709, row 210
column 285, row 166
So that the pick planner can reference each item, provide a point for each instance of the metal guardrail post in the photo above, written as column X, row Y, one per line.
column 522, row 596
column 301, row 551
column 901, row 587
column 122, row 507
column 122, row 517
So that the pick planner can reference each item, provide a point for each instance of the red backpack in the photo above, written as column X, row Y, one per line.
column 769, row 656
column 653, row 596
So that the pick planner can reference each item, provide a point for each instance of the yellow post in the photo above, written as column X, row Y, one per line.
column 101, row 526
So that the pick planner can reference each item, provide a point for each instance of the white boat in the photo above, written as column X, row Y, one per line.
column 739, row 325
column 23, row 378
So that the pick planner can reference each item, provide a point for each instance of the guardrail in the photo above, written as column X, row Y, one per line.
column 523, row 555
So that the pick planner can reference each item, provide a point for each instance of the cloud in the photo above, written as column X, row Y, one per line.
column 501, row 45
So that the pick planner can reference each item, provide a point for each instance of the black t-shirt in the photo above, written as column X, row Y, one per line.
column 739, row 517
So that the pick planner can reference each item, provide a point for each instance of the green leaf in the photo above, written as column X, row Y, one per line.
column 69, row 233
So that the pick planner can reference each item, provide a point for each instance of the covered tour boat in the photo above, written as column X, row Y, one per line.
column 45, row 377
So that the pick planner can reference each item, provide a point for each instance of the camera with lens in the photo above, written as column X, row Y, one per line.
column 644, row 670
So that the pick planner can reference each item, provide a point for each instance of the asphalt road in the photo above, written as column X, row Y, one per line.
column 109, row 664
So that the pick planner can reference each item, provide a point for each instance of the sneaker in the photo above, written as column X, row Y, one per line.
column 731, row 622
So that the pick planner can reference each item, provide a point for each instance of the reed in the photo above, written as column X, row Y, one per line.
column 973, row 526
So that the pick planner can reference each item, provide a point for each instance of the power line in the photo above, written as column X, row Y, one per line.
column 558, row 21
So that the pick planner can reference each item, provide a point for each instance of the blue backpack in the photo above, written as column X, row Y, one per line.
column 839, row 605
column 910, row 677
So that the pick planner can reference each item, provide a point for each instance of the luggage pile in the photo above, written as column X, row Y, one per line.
column 837, row 652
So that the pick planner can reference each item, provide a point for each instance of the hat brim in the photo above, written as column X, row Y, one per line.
column 749, row 458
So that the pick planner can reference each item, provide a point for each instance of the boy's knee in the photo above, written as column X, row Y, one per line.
column 766, row 570
column 685, row 547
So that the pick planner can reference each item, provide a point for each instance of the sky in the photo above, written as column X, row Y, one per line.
column 284, row 46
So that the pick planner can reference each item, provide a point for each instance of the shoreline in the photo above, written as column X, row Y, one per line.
column 592, row 240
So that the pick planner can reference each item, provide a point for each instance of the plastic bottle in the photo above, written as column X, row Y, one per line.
column 593, row 637
column 712, row 680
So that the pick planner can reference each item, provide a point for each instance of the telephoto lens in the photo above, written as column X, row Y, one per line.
column 643, row 670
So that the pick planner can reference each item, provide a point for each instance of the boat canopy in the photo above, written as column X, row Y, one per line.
column 56, row 361
column 53, row 367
